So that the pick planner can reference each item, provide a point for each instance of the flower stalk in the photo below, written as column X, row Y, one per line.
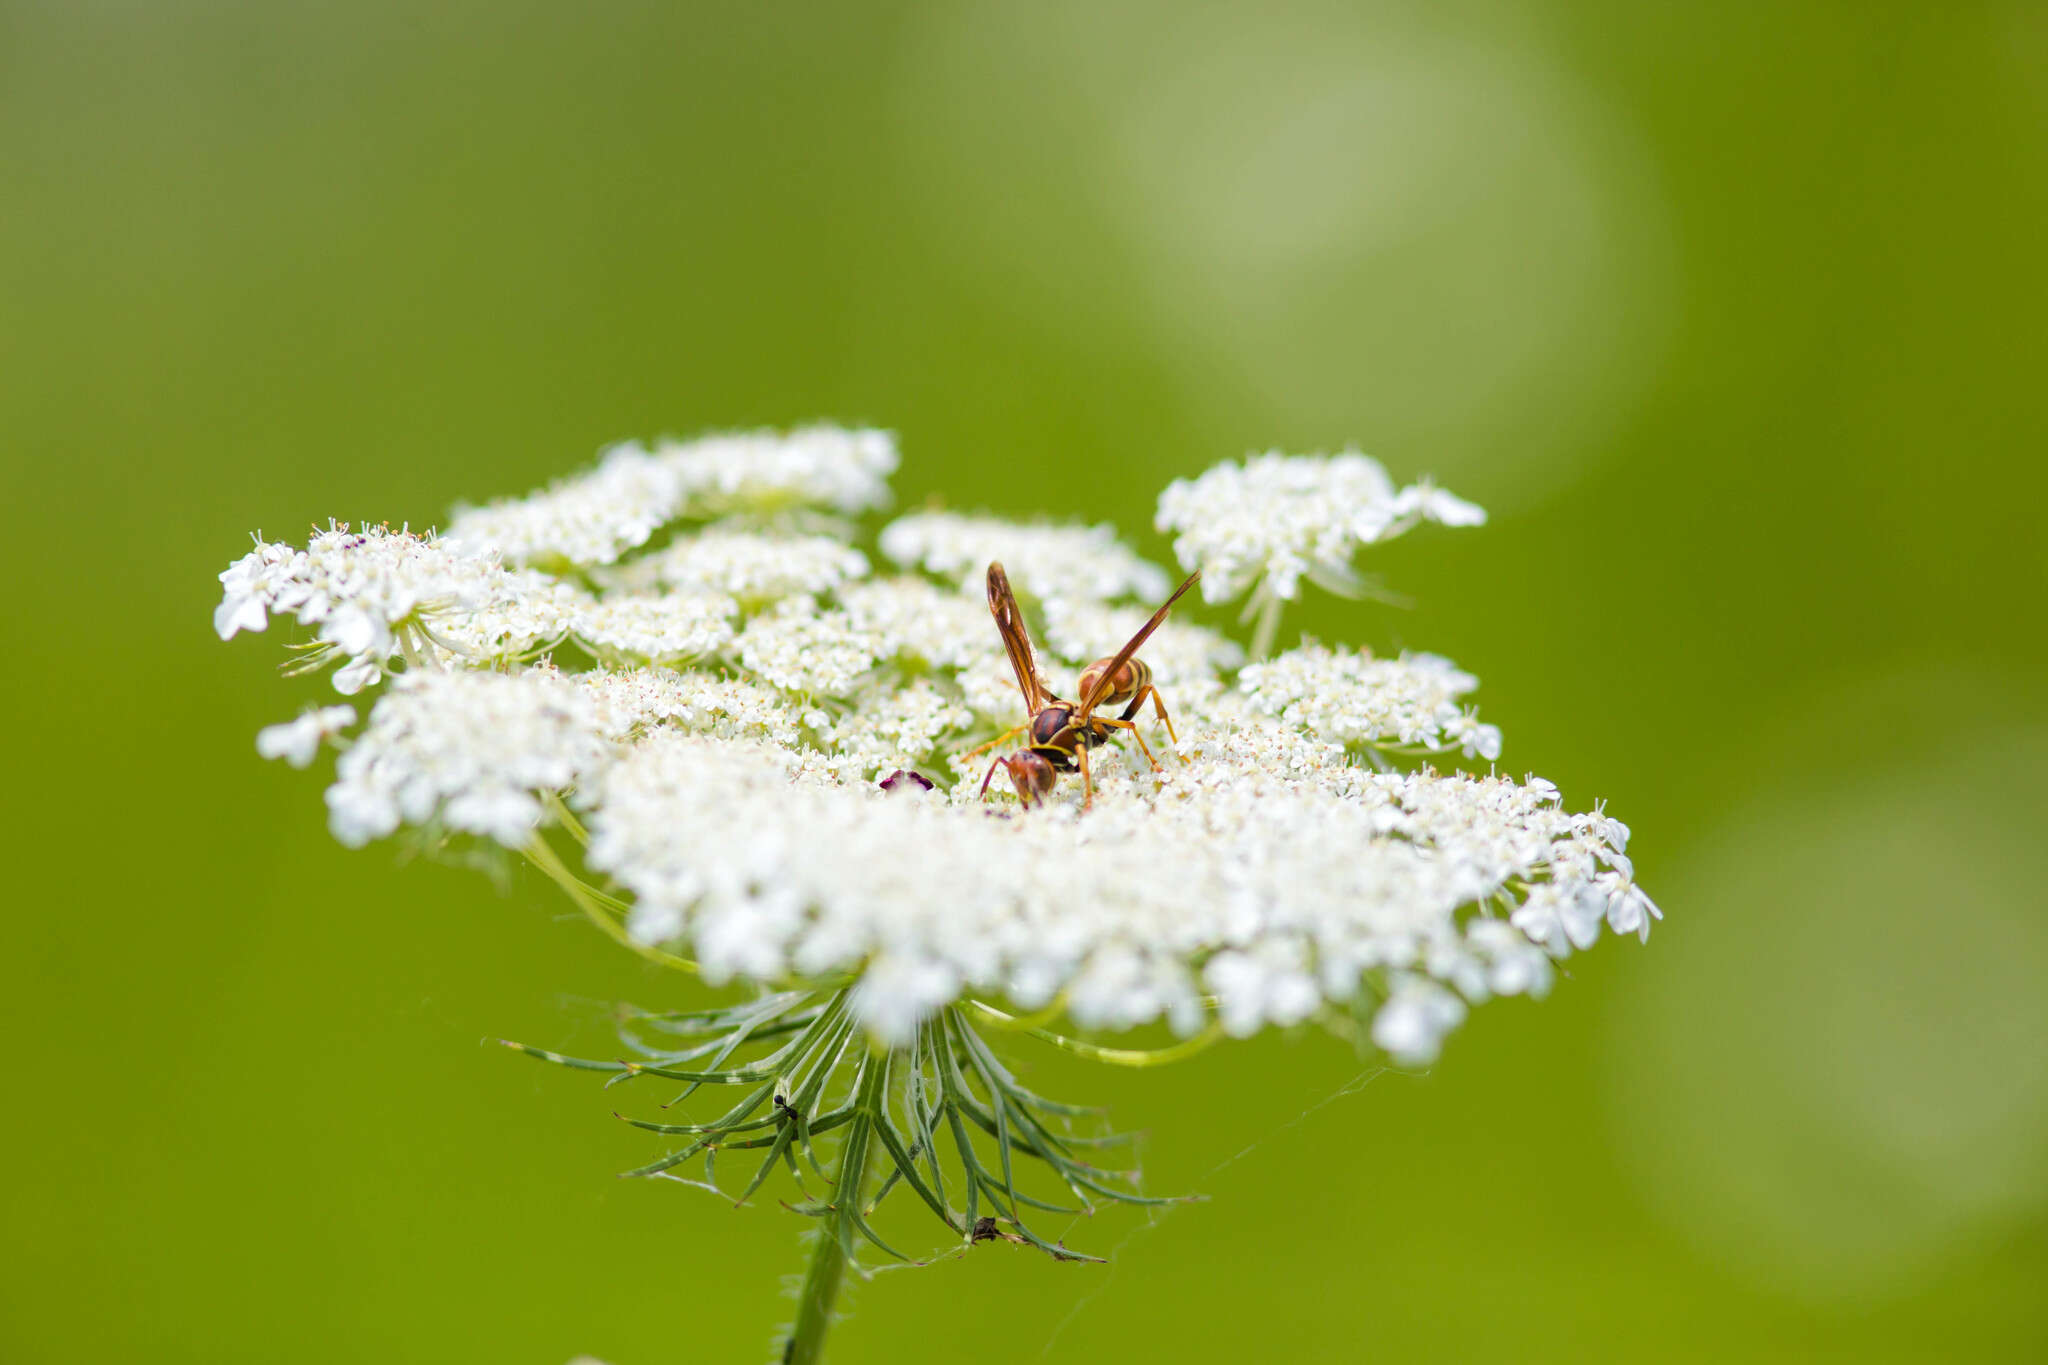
column 834, row 1249
column 942, row 1118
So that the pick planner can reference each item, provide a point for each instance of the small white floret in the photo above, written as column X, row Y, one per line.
column 297, row 741
column 1411, row 1025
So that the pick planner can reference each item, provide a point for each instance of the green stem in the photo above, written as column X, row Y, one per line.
column 1095, row 1052
column 592, row 903
column 1268, row 626
column 829, row 1258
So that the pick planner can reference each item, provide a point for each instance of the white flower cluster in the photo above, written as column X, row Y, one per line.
column 1050, row 563
column 923, row 625
column 800, row 648
column 1273, row 892
column 468, row 748
column 298, row 742
column 1275, row 519
column 845, row 470
column 375, row 593
column 595, row 517
column 632, row 701
column 1353, row 698
column 592, row 518
column 756, row 681
column 753, row 568
column 655, row 629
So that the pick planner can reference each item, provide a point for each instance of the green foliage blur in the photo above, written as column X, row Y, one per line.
column 1730, row 314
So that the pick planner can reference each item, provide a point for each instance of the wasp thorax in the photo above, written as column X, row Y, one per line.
column 1129, row 681
column 1049, row 724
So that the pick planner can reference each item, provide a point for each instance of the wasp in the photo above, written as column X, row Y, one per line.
column 1062, row 732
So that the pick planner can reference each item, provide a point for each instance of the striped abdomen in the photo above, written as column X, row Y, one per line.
column 1134, row 677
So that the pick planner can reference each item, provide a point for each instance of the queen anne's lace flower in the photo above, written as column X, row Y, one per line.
column 1051, row 563
column 921, row 625
column 1276, row 519
column 1293, row 887
column 892, row 727
column 632, row 703
column 526, row 613
column 762, row 472
column 1352, row 698
column 1417, row 1015
column 353, row 587
column 590, row 519
column 755, row 681
column 657, row 629
column 750, row 567
column 801, row 649
column 297, row 741
column 597, row 516
column 374, row 594
column 471, row 750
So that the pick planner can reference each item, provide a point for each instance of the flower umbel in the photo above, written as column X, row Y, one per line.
column 681, row 687
column 1266, row 524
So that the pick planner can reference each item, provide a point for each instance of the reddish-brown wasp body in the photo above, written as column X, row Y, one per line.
column 1062, row 732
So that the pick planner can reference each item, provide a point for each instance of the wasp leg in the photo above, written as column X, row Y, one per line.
column 984, row 748
column 1159, row 709
column 1087, row 782
column 1142, row 746
column 988, row 778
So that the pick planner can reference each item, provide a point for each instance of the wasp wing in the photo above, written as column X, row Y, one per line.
column 1105, row 681
column 1002, row 604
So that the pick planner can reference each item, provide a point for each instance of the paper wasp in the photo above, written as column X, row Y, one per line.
column 1062, row 732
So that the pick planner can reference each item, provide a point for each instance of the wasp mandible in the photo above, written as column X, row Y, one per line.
column 1062, row 732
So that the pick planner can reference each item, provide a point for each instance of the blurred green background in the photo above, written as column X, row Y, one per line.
column 1731, row 315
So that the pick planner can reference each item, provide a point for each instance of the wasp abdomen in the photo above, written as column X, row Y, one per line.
column 1134, row 677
